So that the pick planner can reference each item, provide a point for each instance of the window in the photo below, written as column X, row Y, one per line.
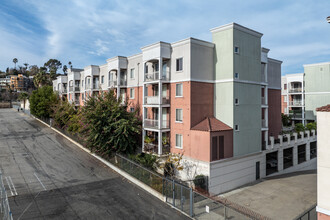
column 131, row 91
column 236, row 128
column 236, row 75
column 179, row 64
column 236, row 49
column 178, row 90
column 178, row 115
column 285, row 110
column 102, row 79
column 301, row 153
column 236, row 102
column 132, row 75
column 145, row 68
column 313, row 149
column 132, row 109
column 178, row 140
column 285, row 86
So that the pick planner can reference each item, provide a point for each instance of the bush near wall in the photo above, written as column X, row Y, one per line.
column 42, row 101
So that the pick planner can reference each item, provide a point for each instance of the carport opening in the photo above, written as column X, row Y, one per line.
column 301, row 153
column 287, row 158
column 271, row 163
column 313, row 152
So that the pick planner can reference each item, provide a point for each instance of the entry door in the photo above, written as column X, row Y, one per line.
column 257, row 170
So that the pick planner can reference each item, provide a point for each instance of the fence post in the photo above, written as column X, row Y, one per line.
column 191, row 203
column 225, row 212
column 181, row 199
column 173, row 192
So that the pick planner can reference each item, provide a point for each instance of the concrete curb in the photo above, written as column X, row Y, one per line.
column 116, row 169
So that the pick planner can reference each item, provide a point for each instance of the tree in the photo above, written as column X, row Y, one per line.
column 172, row 165
column 15, row 60
column 65, row 69
column 70, row 64
column 42, row 101
column 26, row 66
column 53, row 65
column 33, row 70
column 42, row 78
column 311, row 126
column 23, row 97
column 109, row 127
column 299, row 127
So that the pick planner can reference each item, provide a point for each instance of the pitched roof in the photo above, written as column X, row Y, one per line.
column 324, row 109
column 211, row 124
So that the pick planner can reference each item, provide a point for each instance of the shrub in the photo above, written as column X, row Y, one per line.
column 299, row 127
column 147, row 160
column 311, row 126
column 42, row 100
column 200, row 182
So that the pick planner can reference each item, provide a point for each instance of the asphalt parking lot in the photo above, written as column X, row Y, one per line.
column 281, row 197
column 48, row 177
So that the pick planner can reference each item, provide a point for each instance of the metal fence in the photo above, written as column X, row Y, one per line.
column 5, row 213
column 309, row 215
column 182, row 197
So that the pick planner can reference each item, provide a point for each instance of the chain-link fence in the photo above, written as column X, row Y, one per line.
column 5, row 213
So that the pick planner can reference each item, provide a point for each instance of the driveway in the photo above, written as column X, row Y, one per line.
column 46, row 176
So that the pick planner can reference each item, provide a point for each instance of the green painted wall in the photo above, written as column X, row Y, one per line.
column 317, row 82
column 248, row 64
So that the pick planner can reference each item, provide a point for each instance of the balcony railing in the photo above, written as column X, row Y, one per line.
column 155, row 76
column 88, row 86
column 74, row 88
column 71, row 89
column 123, row 82
column 112, row 83
column 65, row 90
column 263, row 77
column 154, row 100
column 152, row 123
column 77, row 102
column 295, row 103
column 263, row 100
column 263, row 123
column 296, row 115
column 96, row 86
column 295, row 90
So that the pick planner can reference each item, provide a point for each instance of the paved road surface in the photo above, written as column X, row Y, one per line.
column 47, row 176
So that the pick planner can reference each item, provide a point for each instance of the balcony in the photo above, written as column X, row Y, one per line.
column 123, row 82
column 77, row 102
column 88, row 86
column 155, row 76
column 152, row 123
column 65, row 90
column 96, row 86
column 296, row 115
column 296, row 103
column 263, row 77
column 263, row 101
column 263, row 123
column 154, row 100
column 112, row 83
column 295, row 90
column 74, row 89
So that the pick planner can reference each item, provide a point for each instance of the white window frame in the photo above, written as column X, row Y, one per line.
column 181, row 141
column 176, row 115
column 102, row 79
column 176, row 90
column 132, row 71
column 131, row 93
column 176, row 64
column 236, row 127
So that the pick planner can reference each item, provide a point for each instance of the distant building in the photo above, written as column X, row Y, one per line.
column 19, row 82
column 323, row 163
column 4, row 83
column 302, row 93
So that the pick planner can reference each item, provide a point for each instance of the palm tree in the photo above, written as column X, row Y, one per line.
column 70, row 64
column 15, row 60
column 41, row 78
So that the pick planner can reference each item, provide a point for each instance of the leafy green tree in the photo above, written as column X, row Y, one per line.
column 42, row 100
column 53, row 65
column 286, row 120
column 311, row 126
column 70, row 64
column 33, row 70
column 23, row 96
column 63, row 114
column 15, row 60
column 299, row 127
column 108, row 126
column 147, row 160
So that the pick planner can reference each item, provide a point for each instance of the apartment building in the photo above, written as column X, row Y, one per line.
column 218, row 103
column 323, row 164
column 19, row 82
column 302, row 93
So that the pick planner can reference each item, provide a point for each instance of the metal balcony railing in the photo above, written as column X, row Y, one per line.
column 123, row 82
column 88, row 86
column 296, row 103
column 96, row 86
column 295, row 90
column 71, row 89
column 112, row 83
column 296, row 115
column 263, row 123
column 263, row 100
column 263, row 77
column 154, row 100
column 155, row 76
column 65, row 90
column 152, row 123
column 77, row 102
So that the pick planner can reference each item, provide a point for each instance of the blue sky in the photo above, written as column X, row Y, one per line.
column 89, row 32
